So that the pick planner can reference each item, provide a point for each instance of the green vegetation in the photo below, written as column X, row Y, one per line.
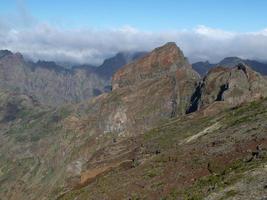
column 230, row 175
column 36, row 124
column 246, row 113
column 230, row 193
column 171, row 133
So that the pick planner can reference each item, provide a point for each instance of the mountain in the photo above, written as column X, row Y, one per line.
column 203, row 67
column 52, row 84
column 111, row 65
column 4, row 53
column 232, row 86
column 49, row 83
column 161, row 133
column 198, row 156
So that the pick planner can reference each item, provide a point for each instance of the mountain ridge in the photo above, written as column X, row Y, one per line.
column 139, row 140
column 53, row 84
column 203, row 67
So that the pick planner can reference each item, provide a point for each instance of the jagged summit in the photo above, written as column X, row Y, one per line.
column 5, row 53
column 161, row 61
column 130, row 139
column 111, row 65
column 232, row 86
column 155, row 87
column 203, row 67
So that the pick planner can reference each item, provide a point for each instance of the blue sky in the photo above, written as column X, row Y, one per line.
column 149, row 15
column 86, row 31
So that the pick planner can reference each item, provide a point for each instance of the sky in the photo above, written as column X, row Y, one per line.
column 87, row 31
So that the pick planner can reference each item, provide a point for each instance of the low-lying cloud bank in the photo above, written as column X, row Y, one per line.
column 47, row 42
column 22, row 32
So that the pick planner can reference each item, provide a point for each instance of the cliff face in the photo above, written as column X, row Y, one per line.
column 239, row 84
column 51, row 86
column 156, row 87
column 229, row 62
column 232, row 86
column 54, row 85
column 75, row 143
column 134, row 138
column 162, row 61
column 111, row 65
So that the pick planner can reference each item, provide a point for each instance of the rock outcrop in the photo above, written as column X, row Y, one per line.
column 233, row 86
column 155, row 88
column 51, row 84
column 130, row 139
column 203, row 67
column 111, row 65
column 160, row 62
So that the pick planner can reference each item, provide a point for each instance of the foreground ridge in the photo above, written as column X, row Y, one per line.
column 162, row 132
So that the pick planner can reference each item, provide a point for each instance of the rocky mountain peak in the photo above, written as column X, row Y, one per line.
column 203, row 67
column 233, row 86
column 111, row 65
column 73, row 151
column 9, row 56
column 4, row 53
column 161, row 61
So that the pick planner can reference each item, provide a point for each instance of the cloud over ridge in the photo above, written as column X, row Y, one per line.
column 44, row 41
column 36, row 40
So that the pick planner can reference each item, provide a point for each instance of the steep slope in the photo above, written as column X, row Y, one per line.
column 49, row 83
column 54, row 85
column 137, row 141
column 111, row 65
column 63, row 149
column 203, row 67
column 232, row 86
column 221, row 156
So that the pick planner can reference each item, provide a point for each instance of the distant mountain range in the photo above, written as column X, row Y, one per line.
column 112, row 64
column 203, row 67
column 52, row 84
column 163, row 132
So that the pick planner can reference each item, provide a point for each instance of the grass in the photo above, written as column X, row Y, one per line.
column 230, row 175
column 165, row 139
column 36, row 125
column 170, row 134
column 246, row 113
column 228, row 194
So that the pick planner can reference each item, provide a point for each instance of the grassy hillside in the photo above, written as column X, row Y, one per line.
column 219, row 156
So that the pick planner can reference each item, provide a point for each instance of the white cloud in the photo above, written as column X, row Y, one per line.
column 44, row 41
column 213, row 33
column 21, row 32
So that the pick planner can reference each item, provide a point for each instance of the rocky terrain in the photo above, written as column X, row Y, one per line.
column 203, row 67
column 161, row 133
column 54, row 85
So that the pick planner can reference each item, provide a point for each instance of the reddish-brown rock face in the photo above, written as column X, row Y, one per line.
column 163, row 60
column 55, row 153
column 155, row 88
column 232, row 86
column 49, row 83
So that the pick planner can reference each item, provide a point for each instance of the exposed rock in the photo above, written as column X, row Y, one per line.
column 54, row 85
column 111, row 65
column 4, row 53
column 203, row 67
column 155, row 88
column 233, row 86
column 160, row 62
column 94, row 148
column 48, row 82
